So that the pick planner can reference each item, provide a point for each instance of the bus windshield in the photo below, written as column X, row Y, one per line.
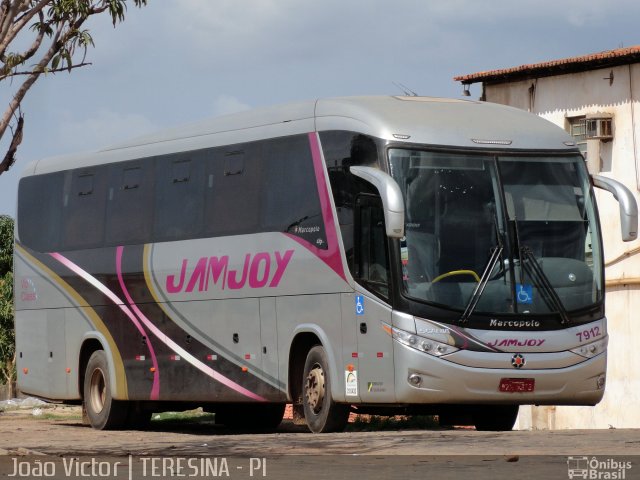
column 498, row 234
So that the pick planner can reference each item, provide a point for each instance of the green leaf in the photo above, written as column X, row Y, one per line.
column 67, row 59
column 55, row 62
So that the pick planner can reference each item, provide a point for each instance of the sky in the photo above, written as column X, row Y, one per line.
column 178, row 61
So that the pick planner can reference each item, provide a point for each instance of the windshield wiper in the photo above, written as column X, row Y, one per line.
column 536, row 273
column 540, row 278
column 496, row 254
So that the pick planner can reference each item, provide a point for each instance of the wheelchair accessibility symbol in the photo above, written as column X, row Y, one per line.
column 359, row 305
column 524, row 293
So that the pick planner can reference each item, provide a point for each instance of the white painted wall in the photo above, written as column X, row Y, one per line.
column 556, row 98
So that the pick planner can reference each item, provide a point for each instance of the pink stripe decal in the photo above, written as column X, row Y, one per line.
column 155, row 389
column 330, row 256
column 174, row 346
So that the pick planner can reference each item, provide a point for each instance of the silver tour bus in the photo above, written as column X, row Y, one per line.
column 375, row 254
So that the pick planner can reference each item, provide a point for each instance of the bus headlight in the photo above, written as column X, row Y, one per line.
column 422, row 344
column 592, row 349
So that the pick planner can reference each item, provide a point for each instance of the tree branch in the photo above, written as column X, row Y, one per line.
column 50, row 70
column 4, row 10
column 9, row 17
column 12, row 29
column 61, row 23
column 27, row 9
column 23, row 57
column 10, row 156
column 24, row 88
column 96, row 10
column 36, row 43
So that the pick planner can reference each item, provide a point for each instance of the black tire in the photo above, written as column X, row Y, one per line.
column 103, row 412
column 250, row 416
column 495, row 418
column 321, row 413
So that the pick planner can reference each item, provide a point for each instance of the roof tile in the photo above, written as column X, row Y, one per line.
column 563, row 65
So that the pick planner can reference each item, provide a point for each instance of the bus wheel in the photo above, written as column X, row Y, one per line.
column 321, row 413
column 102, row 410
column 496, row 418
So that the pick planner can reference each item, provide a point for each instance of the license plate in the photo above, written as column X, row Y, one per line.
column 515, row 385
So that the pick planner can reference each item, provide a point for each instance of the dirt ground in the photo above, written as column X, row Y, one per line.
column 54, row 435
column 58, row 430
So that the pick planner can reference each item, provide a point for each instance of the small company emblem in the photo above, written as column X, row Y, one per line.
column 585, row 467
column 518, row 361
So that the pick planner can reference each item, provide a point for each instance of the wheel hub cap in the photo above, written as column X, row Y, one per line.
column 98, row 391
column 314, row 389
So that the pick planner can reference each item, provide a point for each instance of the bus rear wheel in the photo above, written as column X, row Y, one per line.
column 495, row 418
column 103, row 412
column 321, row 413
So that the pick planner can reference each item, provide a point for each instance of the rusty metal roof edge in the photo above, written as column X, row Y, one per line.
column 604, row 59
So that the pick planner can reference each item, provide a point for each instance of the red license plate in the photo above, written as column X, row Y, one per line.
column 515, row 385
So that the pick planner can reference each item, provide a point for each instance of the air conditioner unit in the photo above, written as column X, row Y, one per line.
column 599, row 126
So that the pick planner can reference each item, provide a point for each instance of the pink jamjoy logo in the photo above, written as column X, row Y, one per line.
column 258, row 271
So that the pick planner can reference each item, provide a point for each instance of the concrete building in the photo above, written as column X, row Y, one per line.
column 596, row 99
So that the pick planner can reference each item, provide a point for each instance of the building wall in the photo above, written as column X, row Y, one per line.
column 557, row 98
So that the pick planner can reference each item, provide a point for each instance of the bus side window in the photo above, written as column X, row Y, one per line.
column 40, row 209
column 372, row 261
column 290, row 202
column 343, row 149
column 232, row 195
column 234, row 163
column 84, row 208
column 179, row 197
column 130, row 200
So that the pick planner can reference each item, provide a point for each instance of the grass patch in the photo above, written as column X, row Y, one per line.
column 50, row 415
column 184, row 418
column 400, row 422
column 56, row 416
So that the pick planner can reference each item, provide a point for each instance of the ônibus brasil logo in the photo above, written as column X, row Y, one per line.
column 597, row 469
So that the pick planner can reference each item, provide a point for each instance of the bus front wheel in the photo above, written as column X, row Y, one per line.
column 102, row 410
column 321, row 413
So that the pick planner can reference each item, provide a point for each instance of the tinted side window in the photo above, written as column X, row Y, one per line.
column 84, row 208
column 341, row 151
column 130, row 203
column 264, row 186
column 232, row 198
column 179, row 197
column 291, row 202
column 372, row 266
column 40, row 211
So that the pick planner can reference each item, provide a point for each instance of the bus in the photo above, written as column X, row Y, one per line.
column 377, row 255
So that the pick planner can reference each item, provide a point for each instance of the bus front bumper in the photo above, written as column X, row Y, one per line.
column 425, row 379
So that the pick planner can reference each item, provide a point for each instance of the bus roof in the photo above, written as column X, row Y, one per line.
column 420, row 120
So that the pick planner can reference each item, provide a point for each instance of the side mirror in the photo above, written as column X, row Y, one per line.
column 628, row 205
column 392, row 202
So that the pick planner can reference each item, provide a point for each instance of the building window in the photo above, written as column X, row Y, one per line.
column 577, row 128
column 600, row 127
